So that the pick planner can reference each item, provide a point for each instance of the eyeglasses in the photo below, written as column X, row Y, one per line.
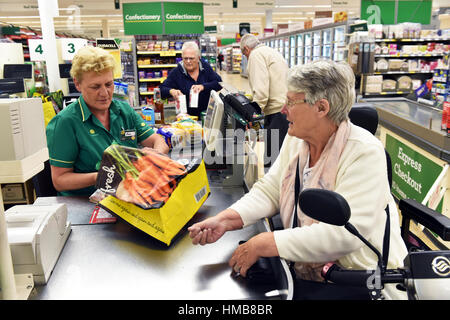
column 188, row 59
column 290, row 104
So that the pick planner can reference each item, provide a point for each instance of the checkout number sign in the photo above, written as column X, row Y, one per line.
column 37, row 49
column 69, row 47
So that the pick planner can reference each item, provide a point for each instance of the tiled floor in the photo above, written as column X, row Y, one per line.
column 236, row 80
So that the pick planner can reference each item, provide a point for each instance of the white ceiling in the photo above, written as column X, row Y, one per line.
column 89, row 17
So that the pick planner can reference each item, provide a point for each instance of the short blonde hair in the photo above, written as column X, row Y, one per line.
column 89, row 59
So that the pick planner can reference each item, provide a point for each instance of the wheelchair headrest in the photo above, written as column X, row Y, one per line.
column 364, row 115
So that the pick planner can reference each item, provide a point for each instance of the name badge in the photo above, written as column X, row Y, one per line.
column 129, row 134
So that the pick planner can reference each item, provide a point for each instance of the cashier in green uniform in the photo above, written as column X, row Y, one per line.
column 78, row 135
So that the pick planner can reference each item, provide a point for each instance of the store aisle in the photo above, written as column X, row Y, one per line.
column 236, row 80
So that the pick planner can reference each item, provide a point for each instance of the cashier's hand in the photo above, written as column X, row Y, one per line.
column 196, row 88
column 261, row 245
column 212, row 229
column 175, row 93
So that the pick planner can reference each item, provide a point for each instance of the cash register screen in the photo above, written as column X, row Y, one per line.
column 64, row 70
column 22, row 71
column 213, row 121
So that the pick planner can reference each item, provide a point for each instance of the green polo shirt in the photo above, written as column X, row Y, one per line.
column 76, row 138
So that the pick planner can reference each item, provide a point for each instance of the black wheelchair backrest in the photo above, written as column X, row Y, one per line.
column 364, row 115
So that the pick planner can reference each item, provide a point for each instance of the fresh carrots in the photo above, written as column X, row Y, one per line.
column 149, row 177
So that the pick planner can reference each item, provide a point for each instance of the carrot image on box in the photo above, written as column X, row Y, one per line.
column 152, row 192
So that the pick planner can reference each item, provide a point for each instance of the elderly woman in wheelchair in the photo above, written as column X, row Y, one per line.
column 325, row 150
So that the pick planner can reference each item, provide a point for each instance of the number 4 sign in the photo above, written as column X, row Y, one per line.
column 37, row 50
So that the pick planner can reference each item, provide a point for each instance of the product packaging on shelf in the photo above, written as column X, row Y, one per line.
column 150, row 191
column 445, row 115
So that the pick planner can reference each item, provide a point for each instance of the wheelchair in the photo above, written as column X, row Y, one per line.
column 426, row 273
column 424, row 269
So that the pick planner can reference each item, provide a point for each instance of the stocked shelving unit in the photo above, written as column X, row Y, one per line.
column 208, row 47
column 128, row 64
column 236, row 59
column 227, row 59
column 441, row 83
column 232, row 57
column 321, row 42
column 401, row 66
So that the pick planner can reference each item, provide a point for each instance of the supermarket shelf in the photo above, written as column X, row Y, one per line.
column 142, row 66
column 153, row 80
column 169, row 53
column 412, row 40
column 408, row 55
column 401, row 72
column 387, row 93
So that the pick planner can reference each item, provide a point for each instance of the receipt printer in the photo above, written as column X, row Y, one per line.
column 36, row 235
column 248, row 110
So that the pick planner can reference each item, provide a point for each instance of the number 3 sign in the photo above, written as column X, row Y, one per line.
column 70, row 46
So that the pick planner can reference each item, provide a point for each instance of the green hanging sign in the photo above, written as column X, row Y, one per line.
column 183, row 17
column 142, row 18
column 412, row 173
column 163, row 18
column 396, row 11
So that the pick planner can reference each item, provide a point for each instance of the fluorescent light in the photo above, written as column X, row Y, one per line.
column 292, row 18
column 243, row 13
column 20, row 17
column 294, row 6
column 276, row 13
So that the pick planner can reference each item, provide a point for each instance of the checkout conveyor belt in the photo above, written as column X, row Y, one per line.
column 118, row 261
column 417, row 123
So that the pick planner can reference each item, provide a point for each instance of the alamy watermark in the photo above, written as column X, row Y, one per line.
column 228, row 147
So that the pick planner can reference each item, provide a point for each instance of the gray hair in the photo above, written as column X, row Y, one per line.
column 325, row 79
column 191, row 45
column 249, row 40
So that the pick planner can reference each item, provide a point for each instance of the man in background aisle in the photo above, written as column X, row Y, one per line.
column 267, row 74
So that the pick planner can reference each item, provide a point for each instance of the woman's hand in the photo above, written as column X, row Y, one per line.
column 157, row 143
column 212, row 229
column 207, row 231
column 175, row 93
column 261, row 245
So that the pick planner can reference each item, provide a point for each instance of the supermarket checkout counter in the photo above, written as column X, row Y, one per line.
column 420, row 152
column 118, row 261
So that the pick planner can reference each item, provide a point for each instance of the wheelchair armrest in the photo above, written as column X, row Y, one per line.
column 429, row 218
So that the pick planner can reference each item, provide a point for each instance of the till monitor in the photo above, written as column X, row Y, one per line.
column 64, row 70
column 213, row 121
column 21, row 71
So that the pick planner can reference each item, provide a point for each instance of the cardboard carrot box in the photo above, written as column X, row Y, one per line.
column 150, row 191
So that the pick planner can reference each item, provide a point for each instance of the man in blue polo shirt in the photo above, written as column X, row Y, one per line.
column 194, row 73
column 78, row 135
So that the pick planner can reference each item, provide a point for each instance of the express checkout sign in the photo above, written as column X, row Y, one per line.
column 163, row 18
